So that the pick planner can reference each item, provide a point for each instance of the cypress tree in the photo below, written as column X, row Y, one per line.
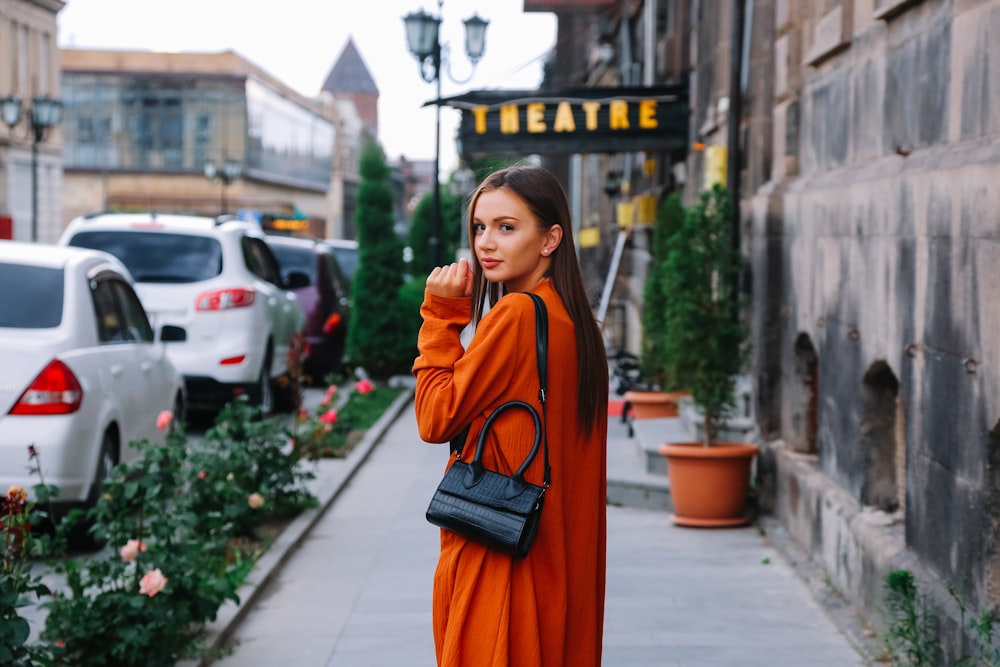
column 655, row 294
column 377, row 338
column 452, row 221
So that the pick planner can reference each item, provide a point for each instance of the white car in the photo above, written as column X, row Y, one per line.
column 218, row 280
column 81, row 373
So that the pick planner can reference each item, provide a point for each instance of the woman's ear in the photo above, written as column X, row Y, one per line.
column 553, row 237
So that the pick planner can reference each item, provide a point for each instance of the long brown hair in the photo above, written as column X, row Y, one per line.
column 546, row 199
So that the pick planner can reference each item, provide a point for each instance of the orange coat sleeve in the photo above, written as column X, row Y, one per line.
column 456, row 386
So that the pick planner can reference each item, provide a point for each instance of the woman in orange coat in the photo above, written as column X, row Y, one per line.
column 491, row 609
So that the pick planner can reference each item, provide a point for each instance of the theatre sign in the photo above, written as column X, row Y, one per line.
column 575, row 120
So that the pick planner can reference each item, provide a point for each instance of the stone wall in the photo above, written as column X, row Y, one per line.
column 876, row 275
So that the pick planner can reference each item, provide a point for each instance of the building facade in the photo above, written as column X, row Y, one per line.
column 30, row 155
column 862, row 140
column 158, row 131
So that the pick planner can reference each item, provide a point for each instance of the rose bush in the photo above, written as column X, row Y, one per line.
column 329, row 431
column 17, row 581
column 172, row 519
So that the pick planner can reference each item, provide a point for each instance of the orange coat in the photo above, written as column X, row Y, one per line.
column 489, row 608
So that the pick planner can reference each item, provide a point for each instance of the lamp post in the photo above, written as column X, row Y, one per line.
column 423, row 40
column 231, row 170
column 46, row 112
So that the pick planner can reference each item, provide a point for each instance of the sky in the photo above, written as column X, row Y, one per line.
column 298, row 41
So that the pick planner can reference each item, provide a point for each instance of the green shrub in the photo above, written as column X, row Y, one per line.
column 109, row 614
column 172, row 520
column 244, row 461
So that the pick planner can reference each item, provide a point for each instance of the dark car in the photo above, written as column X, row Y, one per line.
column 346, row 252
column 311, row 270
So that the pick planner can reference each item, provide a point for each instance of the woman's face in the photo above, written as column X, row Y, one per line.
column 508, row 242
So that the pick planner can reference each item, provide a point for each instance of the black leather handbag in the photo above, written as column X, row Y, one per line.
column 499, row 511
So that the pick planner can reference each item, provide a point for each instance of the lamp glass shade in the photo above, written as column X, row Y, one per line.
column 45, row 111
column 209, row 169
column 475, row 37
column 421, row 33
column 10, row 108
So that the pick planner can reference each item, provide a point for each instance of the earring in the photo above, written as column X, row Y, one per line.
column 545, row 252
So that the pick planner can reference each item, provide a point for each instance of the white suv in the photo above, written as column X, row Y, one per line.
column 217, row 279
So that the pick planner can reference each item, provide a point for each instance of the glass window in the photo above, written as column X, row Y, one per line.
column 260, row 260
column 340, row 282
column 134, row 316
column 291, row 258
column 347, row 258
column 110, row 328
column 158, row 257
column 37, row 303
column 285, row 139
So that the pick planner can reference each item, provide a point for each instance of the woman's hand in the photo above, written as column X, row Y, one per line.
column 451, row 279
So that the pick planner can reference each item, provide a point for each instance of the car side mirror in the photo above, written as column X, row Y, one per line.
column 172, row 333
column 296, row 279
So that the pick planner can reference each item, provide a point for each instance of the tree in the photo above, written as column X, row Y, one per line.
column 377, row 336
column 452, row 221
column 707, row 345
column 655, row 333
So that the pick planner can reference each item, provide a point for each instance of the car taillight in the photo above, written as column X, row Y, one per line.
column 223, row 299
column 331, row 323
column 55, row 391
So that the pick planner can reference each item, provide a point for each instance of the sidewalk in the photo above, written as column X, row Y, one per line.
column 349, row 584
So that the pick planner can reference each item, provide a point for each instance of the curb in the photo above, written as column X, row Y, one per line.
column 271, row 562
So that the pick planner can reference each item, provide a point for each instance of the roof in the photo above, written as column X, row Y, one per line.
column 349, row 73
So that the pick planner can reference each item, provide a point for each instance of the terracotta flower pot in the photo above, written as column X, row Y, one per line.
column 709, row 485
column 652, row 404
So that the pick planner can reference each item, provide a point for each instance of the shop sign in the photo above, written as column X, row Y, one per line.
column 579, row 120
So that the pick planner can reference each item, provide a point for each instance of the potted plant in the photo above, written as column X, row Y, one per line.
column 705, row 351
column 652, row 400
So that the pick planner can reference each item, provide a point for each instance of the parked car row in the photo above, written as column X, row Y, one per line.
column 130, row 315
column 218, row 280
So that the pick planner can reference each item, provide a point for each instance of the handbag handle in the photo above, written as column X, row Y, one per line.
column 476, row 464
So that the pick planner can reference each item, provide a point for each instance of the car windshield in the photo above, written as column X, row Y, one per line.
column 158, row 257
column 291, row 258
column 37, row 303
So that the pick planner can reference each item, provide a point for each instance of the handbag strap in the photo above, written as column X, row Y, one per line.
column 541, row 355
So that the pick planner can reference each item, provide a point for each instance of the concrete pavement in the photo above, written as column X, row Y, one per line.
column 349, row 584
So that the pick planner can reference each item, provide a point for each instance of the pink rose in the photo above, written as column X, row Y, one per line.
column 303, row 414
column 132, row 549
column 164, row 419
column 255, row 501
column 330, row 417
column 330, row 391
column 201, row 474
column 152, row 583
column 364, row 387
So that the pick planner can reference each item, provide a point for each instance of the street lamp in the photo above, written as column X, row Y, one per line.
column 423, row 40
column 231, row 170
column 46, row 112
